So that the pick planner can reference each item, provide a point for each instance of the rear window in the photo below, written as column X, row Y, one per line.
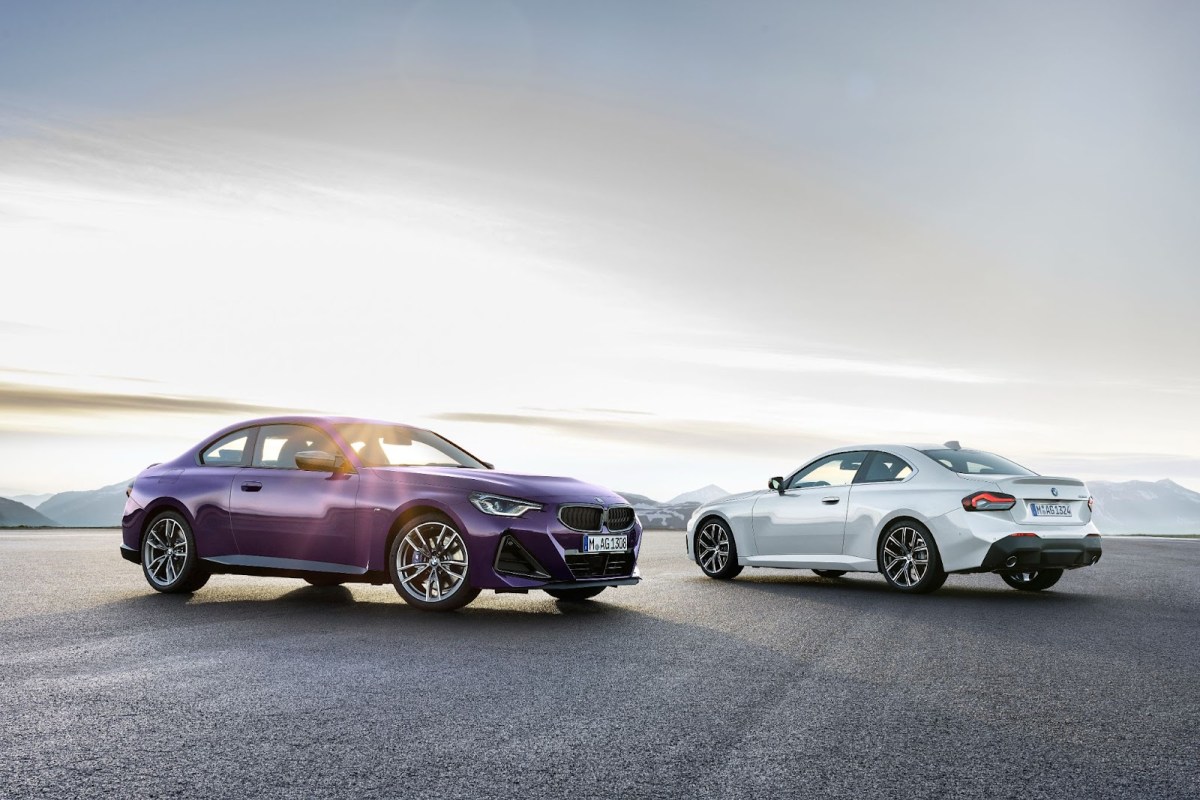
column 976, row 462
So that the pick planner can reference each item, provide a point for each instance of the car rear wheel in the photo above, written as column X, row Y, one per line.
column 429, row 565
column 1032, row 581
column 716, row 551
column 169, row 559
column 908, row 558
column 830, row 573
column 575, row 595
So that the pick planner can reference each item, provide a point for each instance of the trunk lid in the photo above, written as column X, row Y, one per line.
column 1040, row 498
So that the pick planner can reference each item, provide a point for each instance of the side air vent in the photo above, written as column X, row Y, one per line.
column 513, row 559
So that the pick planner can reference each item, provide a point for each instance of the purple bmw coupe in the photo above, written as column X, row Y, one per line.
column 335, row 500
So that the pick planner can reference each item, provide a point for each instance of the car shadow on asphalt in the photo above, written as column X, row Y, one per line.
column 313, row 604
column 814, row 587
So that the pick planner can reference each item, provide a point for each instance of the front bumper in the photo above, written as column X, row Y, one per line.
column 523, row 561
column 1029, row 553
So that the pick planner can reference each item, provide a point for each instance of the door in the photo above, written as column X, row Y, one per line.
column 809, row 517
column 283, row 514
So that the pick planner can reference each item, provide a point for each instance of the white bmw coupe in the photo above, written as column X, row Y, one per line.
column 914, row 513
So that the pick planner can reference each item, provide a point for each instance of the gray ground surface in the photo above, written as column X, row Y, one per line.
column 776, row 684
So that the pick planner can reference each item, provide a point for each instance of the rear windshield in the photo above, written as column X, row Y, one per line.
column 976, row 462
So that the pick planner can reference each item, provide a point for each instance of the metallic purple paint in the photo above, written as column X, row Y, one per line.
column 293, row 522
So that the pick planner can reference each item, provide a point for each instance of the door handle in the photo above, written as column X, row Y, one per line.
column 829, row 501
column 251, row 486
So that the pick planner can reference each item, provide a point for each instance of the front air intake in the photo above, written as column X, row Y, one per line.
column 619, row 518
column 600, row 565
column 590, row 519
column 581, row 518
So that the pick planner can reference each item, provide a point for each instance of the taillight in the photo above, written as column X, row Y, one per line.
column 1091, row 503
column 989, row 501
column 1034, row 535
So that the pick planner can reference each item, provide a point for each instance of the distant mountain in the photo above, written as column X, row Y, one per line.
column 31, row 500
column 1145, row 507
column 1162, row 507
column 87, row 509
column 699, row 496
column 13, row 513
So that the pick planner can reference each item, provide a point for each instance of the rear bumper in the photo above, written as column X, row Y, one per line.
column 1027, row 553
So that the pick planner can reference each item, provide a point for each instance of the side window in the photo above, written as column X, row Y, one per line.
column 885, row 468
column 279, row 444
column 835, row 470
column 229, row 451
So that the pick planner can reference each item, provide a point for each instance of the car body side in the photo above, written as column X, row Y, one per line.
column 931, row 495
column 369, row 515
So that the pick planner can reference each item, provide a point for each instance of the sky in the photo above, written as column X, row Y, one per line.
column 655, row 246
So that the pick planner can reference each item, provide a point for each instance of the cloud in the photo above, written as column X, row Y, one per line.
column 695, row 435
column 774, row 361
column 1122, row 466
column 27, row 399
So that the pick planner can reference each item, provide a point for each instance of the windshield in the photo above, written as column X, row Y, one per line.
column 976, row 462
column 398, row 446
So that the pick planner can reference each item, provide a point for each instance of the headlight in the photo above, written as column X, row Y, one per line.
column 502, row 506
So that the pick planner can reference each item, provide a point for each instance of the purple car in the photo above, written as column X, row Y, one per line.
column 334, row 500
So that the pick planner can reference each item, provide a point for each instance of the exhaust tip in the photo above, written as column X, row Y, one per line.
column 1012, row 562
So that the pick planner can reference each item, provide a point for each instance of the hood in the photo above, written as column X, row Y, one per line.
column 539, row 488
column 731, row 498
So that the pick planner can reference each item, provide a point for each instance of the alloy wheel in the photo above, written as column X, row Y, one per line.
column 905, row 556
column 165, row 551
column 713, row 547
column 431, row 562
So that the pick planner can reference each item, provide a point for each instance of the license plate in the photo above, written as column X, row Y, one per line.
column 605, row 544
column 1050, row 509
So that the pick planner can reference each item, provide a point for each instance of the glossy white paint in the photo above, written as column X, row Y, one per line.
column 838, row 527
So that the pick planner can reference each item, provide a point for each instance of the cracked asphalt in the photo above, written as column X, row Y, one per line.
column 775, row 684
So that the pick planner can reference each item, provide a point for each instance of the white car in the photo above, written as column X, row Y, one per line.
column 911, row 512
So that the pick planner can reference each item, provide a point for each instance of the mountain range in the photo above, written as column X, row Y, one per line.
column 1155, row 507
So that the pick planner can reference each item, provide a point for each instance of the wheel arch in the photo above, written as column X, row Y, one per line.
column 709, row 516
column 156, row 507
column 901, row 516
column 406, row 514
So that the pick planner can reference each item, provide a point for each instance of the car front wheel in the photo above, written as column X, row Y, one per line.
column 429, row 565
column 1034, row 581
column 908, row 558
column 169, row 559
column 716, row 551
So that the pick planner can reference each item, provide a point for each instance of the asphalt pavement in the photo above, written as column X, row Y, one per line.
column 777, row 684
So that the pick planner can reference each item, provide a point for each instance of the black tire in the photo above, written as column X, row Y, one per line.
column 575, row 595
column 830, row 573
column 427, row 529
column 321, row 580
column 892, row 553
column 1034, row 581
column 716, row 550
column 165, row 567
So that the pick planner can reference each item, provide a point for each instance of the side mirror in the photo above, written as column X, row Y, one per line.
column 319, row 461
column 775, row 485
